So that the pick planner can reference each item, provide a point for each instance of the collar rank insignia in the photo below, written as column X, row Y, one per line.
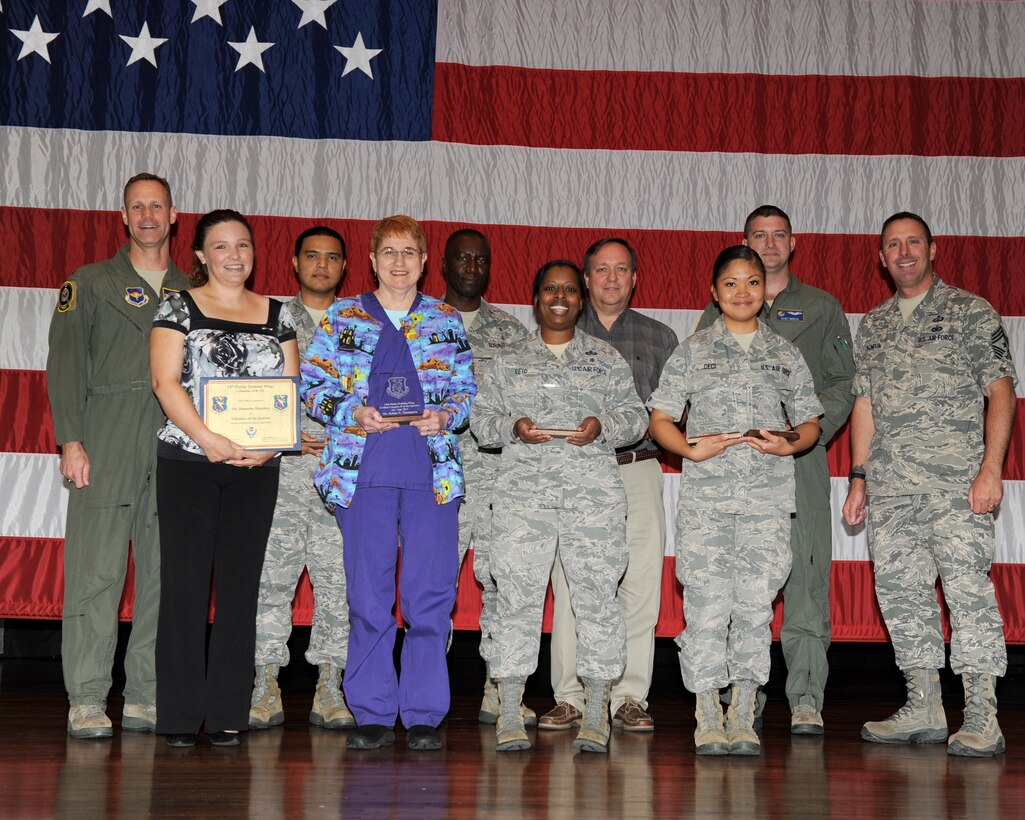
column 136, row 297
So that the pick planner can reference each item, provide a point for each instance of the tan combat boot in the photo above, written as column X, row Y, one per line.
column 980, row 736
column 329, row 707
column 510, row 734
column 265, row 707
column 491, row 705
column 709, row 734
column 740, row 719
column 594, row 729
column 920, row 720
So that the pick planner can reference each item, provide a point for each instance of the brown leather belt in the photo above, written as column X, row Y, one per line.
column 635, row 455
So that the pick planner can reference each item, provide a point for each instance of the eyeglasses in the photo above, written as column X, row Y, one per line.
column 391, row 254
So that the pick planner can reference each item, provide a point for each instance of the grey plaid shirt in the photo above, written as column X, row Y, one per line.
column 645, row 343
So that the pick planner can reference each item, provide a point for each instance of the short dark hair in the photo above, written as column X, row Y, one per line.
column 146, row 177
column 766, row 212
column 547, row 266
column 455, row 236
column 905, row 215
column 590, row 253
column 198, row 274
column 319, row 230
column 732, row 254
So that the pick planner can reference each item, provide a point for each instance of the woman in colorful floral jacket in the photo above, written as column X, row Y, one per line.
column 389, row 373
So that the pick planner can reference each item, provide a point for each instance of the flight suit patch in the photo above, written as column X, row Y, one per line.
column 783, row 315
column 68, row 297
column 136, row 297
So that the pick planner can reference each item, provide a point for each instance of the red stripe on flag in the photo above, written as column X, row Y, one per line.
column 23, row 400
column 31, row 586
column 839, row 450
column 662, row 111
column 25, row 408
column 675, row 266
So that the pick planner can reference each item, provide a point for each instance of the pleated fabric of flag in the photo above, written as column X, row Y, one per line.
column 546, row 125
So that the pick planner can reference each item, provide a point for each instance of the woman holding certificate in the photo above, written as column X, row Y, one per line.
column 558, row 406
column 215, row 498
column 389, row 374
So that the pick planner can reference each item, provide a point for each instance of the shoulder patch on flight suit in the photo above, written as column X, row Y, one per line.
column 783, row 315
column 136, row 297
column 164, row 292
column 67, row 299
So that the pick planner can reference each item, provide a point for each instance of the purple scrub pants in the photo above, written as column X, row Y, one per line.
column 374, row 523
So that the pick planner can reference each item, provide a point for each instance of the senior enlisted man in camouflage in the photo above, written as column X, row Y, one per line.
column 556, row 494
column 930, row 359
column 106, row 418
column 466, row 267
column 812, row 320
column 303, row 532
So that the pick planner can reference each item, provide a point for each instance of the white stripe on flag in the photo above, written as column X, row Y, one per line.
column 34, row 502
column 831, row 37
column 25, row 322
column 964, row 196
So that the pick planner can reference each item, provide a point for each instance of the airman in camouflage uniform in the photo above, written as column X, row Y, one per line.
column 556, row 495
column 741, row 381
column 927, row 359
column 466, row 267
column 303, row 532
column 733, row 514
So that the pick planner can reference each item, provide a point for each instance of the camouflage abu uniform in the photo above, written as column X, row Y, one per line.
column 558, row 496
column 814, row 321
column 492, row 330
column 925, row 380
column 303, row 533
column 733, row 514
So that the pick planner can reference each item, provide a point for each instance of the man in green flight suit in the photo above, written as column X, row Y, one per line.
column 106, row 419
column 814, row 321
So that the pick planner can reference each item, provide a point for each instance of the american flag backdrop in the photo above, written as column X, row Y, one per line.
column 545, row 124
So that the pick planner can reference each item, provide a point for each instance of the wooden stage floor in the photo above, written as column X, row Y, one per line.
column 301, row 771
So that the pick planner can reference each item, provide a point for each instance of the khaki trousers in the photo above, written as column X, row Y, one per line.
column 640, row 595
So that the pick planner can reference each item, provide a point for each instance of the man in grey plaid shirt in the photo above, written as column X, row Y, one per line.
column 610, row 269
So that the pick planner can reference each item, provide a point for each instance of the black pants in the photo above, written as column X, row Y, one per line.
column 214, row 520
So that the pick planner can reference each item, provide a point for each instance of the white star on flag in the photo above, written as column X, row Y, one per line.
column 251, row 51
column 208, row 8
column 313, row 11
column 358, row 56
column 34, row 41
column 97, row 5
column 144, row 47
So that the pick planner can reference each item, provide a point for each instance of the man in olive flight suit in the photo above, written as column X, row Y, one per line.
column 106, row 418
column 814, row 321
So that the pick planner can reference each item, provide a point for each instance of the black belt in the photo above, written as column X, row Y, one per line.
column 635, row 455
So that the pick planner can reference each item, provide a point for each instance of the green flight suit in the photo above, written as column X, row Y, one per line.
column 814, row 321
column 98, row 380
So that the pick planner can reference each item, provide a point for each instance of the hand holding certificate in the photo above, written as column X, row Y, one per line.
column 254, row 413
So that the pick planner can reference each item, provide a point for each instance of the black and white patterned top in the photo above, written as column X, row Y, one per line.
column 222, row 349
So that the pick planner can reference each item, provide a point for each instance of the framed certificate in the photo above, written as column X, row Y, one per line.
column 255, row 413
